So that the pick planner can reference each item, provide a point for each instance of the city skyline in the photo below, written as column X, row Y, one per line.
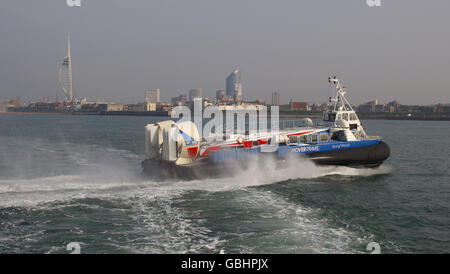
column 280, row 46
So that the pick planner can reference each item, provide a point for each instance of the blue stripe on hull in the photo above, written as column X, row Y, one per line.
column 325, row 146
column 226, row 155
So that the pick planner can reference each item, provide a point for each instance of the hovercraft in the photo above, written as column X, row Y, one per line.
column 176, row 150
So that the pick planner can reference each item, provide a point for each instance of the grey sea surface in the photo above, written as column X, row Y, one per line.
column 67, row 178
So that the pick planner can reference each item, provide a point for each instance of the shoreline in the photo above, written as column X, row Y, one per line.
column 292, row 116
column 111, row 113
column 31, row 113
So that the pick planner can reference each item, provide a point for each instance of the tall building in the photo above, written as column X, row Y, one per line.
column 152, row 95
column 65, row 74
column 275, row 99
column 238, row 93
column 234, row 86
column 179, row 100
column 195, row 93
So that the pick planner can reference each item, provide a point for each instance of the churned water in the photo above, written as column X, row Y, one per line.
column 78, row 179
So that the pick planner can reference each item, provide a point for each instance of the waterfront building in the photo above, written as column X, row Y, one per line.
column 179, row 100
column 145, row 106
column 152, row 95
column 220, row 94
column 234, row 86
column 275, row 99
column 298, row 105
column 195, row 93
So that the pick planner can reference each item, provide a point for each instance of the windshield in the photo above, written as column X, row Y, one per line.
column 329, row 117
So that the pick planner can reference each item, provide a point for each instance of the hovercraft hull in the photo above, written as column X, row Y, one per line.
column 370, row 156
column 366, row 156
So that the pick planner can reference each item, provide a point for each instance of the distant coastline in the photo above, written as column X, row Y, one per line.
column 382, row 116
column 406, row 116
column 312, row 115
column 101, row 113
column 30, row 113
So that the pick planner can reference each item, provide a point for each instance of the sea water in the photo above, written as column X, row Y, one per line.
column 69, row 178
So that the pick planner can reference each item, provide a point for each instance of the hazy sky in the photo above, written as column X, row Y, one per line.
column 399, row 51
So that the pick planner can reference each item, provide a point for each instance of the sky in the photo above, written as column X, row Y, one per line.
column 398, row 51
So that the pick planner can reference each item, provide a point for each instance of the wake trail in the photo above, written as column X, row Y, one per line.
column 76, row 170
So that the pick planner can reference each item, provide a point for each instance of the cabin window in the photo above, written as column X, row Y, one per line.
column 303, row 138
column 314, row 138
column 352, row 117
column 345, row 116
column 329, row 117
column 338, row 136
column 293, row 139
column 335, row 136
column 324, row 137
